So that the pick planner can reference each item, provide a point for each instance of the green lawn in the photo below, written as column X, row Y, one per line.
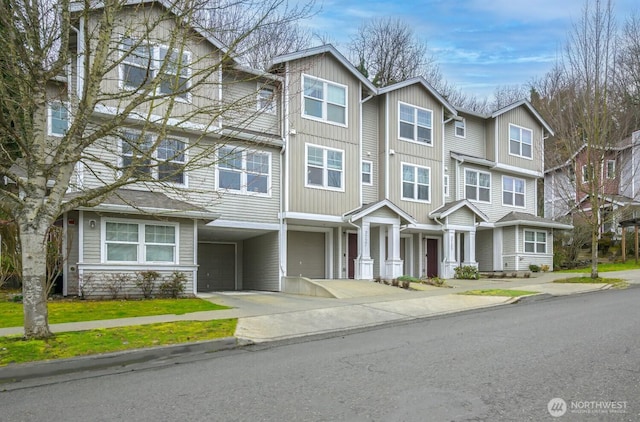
column 618, row 283
column 14, row 349
column 498, row 292
column 618, row 266
column 89, row 310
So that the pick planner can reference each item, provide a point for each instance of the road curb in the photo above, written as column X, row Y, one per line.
column 18, row 372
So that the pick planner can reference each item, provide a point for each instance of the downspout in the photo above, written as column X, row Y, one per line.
column 284, row 185
column 386, row 146
column 444, row 164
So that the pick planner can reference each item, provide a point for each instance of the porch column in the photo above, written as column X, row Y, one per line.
column 394, row 263
column 381, row 251
column 450, row 263
column 470, row 248
column 364, row 263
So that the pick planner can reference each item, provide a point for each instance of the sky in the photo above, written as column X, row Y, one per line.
column 478, row 44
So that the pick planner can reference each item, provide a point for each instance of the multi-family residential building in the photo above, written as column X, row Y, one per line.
column 568, row 182
column 330, row 178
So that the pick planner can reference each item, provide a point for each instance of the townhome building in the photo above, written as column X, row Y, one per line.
column 311, row 173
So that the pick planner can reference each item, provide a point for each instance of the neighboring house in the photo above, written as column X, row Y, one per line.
column 567, row 183
column 330, row 178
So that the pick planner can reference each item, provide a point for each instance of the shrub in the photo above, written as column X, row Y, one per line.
column 115, row 283
column 534, row 268
column 409, row 279
column 86, row 285
column 395, row 282
column 145, row 281
column 544, row 268
column 527, row 275
column 467, row 272
column 406, row 284
column 174, row 285
column 436, row 281
column 514, row 275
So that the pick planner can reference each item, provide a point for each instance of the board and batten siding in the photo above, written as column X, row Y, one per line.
column 370, row 152
column 509, row 248
column 260, row 263
column 523, row 118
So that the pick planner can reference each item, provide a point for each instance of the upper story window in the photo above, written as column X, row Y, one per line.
column 166, row 163
column 611, row 169
column 512, row 191
column 535, row 241
column 477, row 185
column 143, row 63
column 520, row 141
column 460, row 127
column 367, row 173
column 266, row 99
column 415, row 124
column 244, row 171
column 416, row 183
column 138, row 242
column 446, row 185
column 587, row 173
column 325, row 168
column 324, row 100
column 58, row 121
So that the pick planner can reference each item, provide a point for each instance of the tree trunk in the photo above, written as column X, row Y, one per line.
column 595, row 230
column 34, row 293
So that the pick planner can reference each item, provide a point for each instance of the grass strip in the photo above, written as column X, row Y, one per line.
column 498, row 292
column 61, row 311
column 14, row 349
column 617, row 283
column 607, row 267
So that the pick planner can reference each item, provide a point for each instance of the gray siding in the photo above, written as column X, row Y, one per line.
column 370, row 151
column 484, row 250
column 509, row 248
column 520, row 117
column 462, row 217
column 261, row 259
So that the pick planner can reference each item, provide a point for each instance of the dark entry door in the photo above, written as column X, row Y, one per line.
column 432, row 258
column 352, row 254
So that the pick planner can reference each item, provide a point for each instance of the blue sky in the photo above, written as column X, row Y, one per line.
column 479, row 44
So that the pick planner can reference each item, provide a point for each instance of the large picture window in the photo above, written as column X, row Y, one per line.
column 324, row 100
column 135, row 242
column 477, row 185
column 244, row 171
column 520, row 141
column 325, row 167
column 512, row 191
column 535, row 241
column 416, row 183
column 415, row 124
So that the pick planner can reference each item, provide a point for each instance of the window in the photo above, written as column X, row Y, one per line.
column 143, row 63
column 587, row 172
column 415, row 124
column 477, row 185
column 520, row 141
column 367, row 176
column 446, row 185
column 139, row 242
column 166, row 163
column 611, row 169
column 323, row 100
column 535, row 242
column 244, row 171
column 512, row 191
column 58, row 119
column 266, row 100
column 324, row 167
column 460, row 128
column 416, row 183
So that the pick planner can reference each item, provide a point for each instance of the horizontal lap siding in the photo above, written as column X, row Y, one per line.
column 462, row 217
column 240, row 91
column 260, row 263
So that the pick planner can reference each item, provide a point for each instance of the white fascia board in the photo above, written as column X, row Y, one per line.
column 128, row 209
column 517, row 170
column 427, row 227
column 542, row 224
column 312, row 217
column 244, row 225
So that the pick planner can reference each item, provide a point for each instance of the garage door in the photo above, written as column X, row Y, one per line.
column 305, row 256
column 217, row 267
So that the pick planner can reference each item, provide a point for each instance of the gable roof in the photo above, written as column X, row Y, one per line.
column 367, row 209
column 324, row 49
column 515, row 218
column 426, row 85
column 451, row 207
column 529, row 107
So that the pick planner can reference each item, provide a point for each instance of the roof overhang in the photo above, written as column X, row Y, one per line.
column 445, row 211
column 150, row 211
column 366, row 210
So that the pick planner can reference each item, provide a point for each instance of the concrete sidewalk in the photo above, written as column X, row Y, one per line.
column 268, row 316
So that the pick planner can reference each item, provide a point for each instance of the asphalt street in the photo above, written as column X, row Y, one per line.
column 504, row 363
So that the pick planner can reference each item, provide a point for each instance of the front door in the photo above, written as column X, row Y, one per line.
column 352, row 254
column 432, row 258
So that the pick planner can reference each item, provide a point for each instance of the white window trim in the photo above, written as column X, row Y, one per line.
column 273, row 104
column 415, row 130
column 154, row 168
column 155, row 68
column 535, row 242
column 585, row 172
column 524, row 194
column 370, row 183
column 521, row 128
column 323, row 119
column 464, row 128
column 244, row 173
column 324, row 168
column 613, row 170
column 477, row 186
column 446, row 185
column 415, row 167
column 141, row 244
column 66, row 105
